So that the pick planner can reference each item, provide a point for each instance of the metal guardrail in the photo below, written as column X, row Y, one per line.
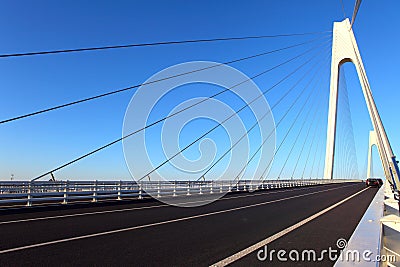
column 26, row 193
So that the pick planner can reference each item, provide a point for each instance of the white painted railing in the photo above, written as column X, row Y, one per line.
column 17, row 193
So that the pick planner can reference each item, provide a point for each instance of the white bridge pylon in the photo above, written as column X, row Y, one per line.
column 345, row 49
column 372, row 142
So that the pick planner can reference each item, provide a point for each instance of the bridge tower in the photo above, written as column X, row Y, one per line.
column 345, row 49
column 372, row 142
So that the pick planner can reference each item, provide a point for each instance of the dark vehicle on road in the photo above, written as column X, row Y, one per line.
column 372, row 182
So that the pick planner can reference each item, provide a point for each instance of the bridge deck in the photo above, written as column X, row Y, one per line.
column 154, row 234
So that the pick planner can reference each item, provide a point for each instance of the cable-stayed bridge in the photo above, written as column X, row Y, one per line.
column 288, row 172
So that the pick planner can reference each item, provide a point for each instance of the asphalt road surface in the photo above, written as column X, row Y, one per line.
column 150, row 233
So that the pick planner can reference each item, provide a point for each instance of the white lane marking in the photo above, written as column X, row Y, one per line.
column 141, row 208
column 160, row 223
column 274, row 237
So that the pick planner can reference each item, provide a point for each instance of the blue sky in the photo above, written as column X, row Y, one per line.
column 32, row 146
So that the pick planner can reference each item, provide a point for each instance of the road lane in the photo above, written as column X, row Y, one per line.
column 198, row 240
column 319, row 234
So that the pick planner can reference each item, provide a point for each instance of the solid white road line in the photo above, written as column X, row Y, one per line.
column 160, row 223
column 274, row 237
column 141, row 208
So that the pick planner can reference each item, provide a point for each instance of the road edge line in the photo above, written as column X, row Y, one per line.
column 269, row 239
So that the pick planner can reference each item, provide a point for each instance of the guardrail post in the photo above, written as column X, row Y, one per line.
column 200, row 192
column 211, row 189
column 119, row 190
column 244, row 186
column 174, row 195
column 65, row 198
column 94, row 199
column 230, row 186
column 188, row 189
column 29, row 202
column 220, row 187
column 140, row 191
column 159, row 188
